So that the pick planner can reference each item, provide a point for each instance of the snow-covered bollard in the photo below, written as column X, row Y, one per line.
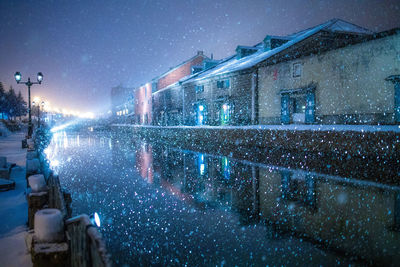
column 37, row 182
column 31, row 154
column 49, row 226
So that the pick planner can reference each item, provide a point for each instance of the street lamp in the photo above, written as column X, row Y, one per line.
column 41, row 105
column 28, row 83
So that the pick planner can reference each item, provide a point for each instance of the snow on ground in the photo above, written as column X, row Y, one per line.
column 13, row 207
column 293, row 127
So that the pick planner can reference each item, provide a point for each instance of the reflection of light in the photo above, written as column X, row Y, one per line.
column 202, row 169
column 109, row 143
column 225, row 107
column 202, row 166
column 47, row 151
column 201, row 107
column 54, row 163
column 77, row 140
column 65, row 140
column 62, row 127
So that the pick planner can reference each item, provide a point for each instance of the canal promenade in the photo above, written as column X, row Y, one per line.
column 13, row 206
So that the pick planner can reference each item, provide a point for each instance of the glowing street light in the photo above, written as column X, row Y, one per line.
column 18, row 78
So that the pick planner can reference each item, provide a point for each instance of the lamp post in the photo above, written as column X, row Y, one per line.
column 28, row 83
column 41, row 105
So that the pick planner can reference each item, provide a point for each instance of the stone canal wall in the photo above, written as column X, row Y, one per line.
column 346, row 142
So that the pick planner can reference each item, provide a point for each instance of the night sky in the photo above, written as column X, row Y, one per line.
column 84, row 48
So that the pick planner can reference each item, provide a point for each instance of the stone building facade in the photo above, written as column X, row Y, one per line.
column 333, row 73
column 221, row 100
column 340, row 86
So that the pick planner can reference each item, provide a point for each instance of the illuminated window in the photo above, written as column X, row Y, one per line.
column 200, row 112
column 225, row 113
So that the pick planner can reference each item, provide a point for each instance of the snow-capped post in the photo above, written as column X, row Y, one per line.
column 48, row 246
column 38, row 198
column 49, row 226
column 37, row 183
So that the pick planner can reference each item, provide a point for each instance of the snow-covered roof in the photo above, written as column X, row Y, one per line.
column 233, row 64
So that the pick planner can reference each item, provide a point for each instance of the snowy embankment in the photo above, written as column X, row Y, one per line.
column 13, row 206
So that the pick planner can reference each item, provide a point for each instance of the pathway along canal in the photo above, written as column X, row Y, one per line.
column 160, row 205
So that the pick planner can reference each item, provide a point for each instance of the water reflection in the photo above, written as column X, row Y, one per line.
column 354, row 217
column 203, row 209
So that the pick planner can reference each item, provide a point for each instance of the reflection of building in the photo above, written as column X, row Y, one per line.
column 144, row 161
column 353, row 218
column 298, row 188
column 348, row 216
column 207, row 181
column 143, row 104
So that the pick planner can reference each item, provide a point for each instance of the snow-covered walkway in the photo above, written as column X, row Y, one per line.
column 14, row 207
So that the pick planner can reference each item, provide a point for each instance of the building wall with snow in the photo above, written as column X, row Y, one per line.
column 348, row 85
column 226, row 99
column 167, row 106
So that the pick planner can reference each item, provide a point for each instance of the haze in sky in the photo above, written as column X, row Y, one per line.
column 84, row 48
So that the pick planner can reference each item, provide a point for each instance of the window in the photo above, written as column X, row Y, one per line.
column 223, row 84
column 297, row 70
column 199, row 88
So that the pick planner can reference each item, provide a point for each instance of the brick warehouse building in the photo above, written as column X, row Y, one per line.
column 167, row 96
column 240, row 91
column 284, row 80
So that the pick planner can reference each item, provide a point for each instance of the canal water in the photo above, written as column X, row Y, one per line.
column 160, row 205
